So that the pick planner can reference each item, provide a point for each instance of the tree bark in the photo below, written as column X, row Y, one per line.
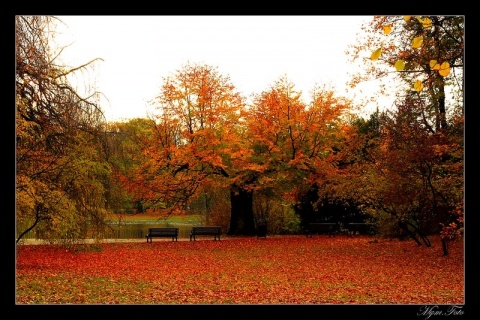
column 241, row 218
column 444, row 247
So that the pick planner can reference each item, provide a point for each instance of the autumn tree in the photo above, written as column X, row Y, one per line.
column 329, row 114
column 122, row 147
column 426, row 171
column 59, row 175
column 425, row 52
column 398, row 170
column 196, row 125
column 294, row 142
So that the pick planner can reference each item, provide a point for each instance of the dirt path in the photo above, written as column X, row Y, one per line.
column 90, row 241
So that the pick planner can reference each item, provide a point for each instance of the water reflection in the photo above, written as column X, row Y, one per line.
column 131, row 230
column 139, row 231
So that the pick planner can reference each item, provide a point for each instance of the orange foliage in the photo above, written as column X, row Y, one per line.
column 192, row 140
column 292, row 139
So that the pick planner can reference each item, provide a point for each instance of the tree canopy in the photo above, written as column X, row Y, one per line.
column 59, row 175
column 278, row 160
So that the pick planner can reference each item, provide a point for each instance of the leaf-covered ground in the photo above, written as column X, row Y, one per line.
column 275, row 270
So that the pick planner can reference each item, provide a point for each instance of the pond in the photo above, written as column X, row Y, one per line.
column 139, row 231
column 131, row 230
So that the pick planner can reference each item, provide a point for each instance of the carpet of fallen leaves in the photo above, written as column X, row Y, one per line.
column 244, row 270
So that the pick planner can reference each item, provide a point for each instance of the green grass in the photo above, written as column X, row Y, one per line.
column 153, row 218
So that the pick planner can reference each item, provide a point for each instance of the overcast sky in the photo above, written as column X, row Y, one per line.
column 254, row 51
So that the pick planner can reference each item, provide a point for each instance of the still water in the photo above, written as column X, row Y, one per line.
column 139, row 231
column 131, row 230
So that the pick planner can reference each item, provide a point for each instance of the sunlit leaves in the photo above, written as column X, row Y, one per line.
column 418, row 85
column 399, row 65
column 387, row 29
column 427, row 23
column 417, row 42
column 376, row 54
column 434, row 65
column 444, row 69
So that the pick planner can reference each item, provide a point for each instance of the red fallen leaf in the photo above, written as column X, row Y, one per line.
column 283, row 270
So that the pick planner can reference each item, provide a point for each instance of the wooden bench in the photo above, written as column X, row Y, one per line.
column 162, row 232
column 322, row 228
column 214, row 231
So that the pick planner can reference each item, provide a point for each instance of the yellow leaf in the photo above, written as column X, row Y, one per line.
column 376, row 54
column 400, row 65
column 417, row 42
column 418, row 86
column 406, row 18
column 444, row 69
column 419, row 19
column 387, row 29
column 427, row 23
column 434, row 65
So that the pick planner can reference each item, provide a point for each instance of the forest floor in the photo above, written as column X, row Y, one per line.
column 243, row 270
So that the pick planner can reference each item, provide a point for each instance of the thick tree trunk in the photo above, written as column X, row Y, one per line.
column 241, row 219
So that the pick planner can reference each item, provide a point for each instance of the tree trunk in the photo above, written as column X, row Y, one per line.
column 241, row 218
column 444, row 247
column 441, row 104
column 412, row 235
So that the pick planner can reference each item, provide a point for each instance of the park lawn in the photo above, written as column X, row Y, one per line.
column 243, row 270
column 154, row 217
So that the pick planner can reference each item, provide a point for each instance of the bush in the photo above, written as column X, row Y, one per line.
column 279, row 217
column 387, row 226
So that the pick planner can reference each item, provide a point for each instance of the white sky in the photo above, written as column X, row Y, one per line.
column 254, row 51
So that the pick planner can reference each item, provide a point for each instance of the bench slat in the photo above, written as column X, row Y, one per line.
column 162, row 232
column 214, row 231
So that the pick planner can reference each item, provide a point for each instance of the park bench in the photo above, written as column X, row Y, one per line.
column 354, row 228
column 214, row 231
column 322, row 228
column 162, row 232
